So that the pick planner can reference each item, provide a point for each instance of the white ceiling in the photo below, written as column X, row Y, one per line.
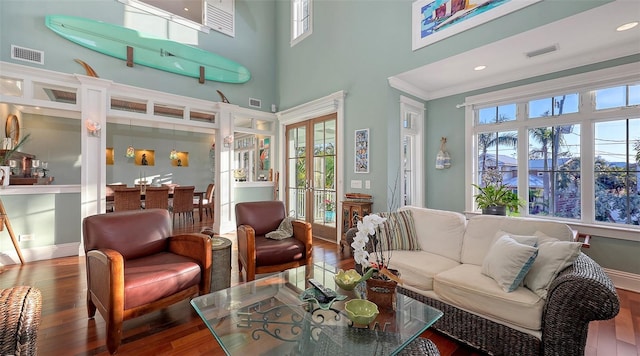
column 585, row 38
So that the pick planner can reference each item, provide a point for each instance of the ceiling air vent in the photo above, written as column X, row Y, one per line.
column 27, row 54
column 541, row 51
column 255, row 103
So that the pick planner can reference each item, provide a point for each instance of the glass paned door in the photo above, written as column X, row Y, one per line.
column 311, row 174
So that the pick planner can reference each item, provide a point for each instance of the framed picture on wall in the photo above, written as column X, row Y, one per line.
column 435, row 20
column 362, row 151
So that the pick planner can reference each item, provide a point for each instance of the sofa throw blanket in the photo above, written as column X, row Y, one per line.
column 284, row 231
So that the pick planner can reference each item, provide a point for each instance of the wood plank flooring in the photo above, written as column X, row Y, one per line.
column 177, row 330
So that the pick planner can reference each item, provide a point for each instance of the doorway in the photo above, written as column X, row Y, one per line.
column 310, row 184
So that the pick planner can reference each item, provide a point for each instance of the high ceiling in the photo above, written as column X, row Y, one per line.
column 585, row 38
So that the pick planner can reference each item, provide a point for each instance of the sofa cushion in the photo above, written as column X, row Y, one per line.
column 417, row 268
column 553, row 256
column 482, row 229
column 467, row 288
column 508, row 262
column 398, row 231
column 439, row 232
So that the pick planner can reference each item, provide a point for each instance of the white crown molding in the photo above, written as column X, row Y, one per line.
column 536, row 70
column 408, row 88
column 318, row 107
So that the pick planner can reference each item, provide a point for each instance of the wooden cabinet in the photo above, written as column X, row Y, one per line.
column 352, row 211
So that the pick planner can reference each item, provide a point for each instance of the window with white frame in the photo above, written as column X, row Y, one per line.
column 412, row 169
column 301, row 20
column 569, row 147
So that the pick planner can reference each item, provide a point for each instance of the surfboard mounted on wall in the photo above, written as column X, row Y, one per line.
column 147, row 50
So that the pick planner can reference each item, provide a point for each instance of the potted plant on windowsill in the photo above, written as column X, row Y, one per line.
column 495, row 198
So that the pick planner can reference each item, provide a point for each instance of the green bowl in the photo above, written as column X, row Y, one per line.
column 361, row 311
column 347, row 280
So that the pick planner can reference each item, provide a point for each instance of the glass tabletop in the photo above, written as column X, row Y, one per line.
column 267, row 317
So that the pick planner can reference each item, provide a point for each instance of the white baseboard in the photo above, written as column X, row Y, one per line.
column 624, row 280
column 40, row 253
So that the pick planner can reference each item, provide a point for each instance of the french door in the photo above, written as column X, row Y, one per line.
column 311, row 174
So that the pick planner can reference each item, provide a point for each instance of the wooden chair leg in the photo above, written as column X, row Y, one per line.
column 91, row 308
column 114, row 335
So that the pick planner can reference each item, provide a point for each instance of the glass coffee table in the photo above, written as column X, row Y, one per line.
column 267, row 317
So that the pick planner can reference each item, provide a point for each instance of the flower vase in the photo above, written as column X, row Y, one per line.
column 329, row 215
column 382, row 292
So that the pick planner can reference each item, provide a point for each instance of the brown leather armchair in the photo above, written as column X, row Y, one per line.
column 135, row 266
column 258, row 254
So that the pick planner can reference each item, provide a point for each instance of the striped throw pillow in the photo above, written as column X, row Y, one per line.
column 399, row 231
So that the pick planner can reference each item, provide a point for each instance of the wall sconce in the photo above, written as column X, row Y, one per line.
column 93, row 128
column 130, row 152
column 228, row 140
column 173, row 154
column 443, row 160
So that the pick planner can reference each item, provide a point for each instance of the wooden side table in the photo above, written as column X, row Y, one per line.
column 352, row 211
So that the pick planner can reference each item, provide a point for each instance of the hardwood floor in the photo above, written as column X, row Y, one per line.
column 177, row 330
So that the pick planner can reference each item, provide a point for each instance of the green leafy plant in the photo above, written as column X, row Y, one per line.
column 6, row 156
column 497, row 195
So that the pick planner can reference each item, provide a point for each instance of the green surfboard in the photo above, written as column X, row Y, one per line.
column 148, row 50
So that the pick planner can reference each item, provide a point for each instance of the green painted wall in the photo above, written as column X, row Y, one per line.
column 22, row 24
column 124, row 170
column 355, row 46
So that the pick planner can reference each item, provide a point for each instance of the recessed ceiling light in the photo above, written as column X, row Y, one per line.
column 186, row 9
column 479, row 67
column 627, row 26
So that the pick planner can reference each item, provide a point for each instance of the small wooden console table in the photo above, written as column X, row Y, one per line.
column 352, row 211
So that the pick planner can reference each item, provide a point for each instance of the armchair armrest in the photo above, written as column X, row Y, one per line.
column 302, row 232
column 105, row 281
column 197, row 247
column 581, row 293
column 246, row 236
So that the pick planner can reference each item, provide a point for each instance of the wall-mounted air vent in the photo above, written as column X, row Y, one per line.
column 255, row 103
column 27, row 54
column 220, row 15
column 541, row 51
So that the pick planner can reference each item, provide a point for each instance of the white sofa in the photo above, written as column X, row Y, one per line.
column 447, row 273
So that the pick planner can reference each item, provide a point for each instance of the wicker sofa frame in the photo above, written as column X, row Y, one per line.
column 581, row 293
column 19, row 320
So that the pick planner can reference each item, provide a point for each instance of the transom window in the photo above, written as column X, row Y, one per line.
column 570, row 154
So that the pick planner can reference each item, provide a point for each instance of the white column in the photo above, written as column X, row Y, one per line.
column 224, row 214
column 92, row 97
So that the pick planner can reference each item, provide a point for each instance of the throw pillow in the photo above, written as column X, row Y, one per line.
column 399, row 231
column 523, row 239
column 508, row 262
column 285, row 230
column 553, row 256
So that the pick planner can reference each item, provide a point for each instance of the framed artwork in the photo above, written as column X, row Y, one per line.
column 110, row 156
column 182, row 160
column 435, row 20
column 145, row 158
column 362, row 151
